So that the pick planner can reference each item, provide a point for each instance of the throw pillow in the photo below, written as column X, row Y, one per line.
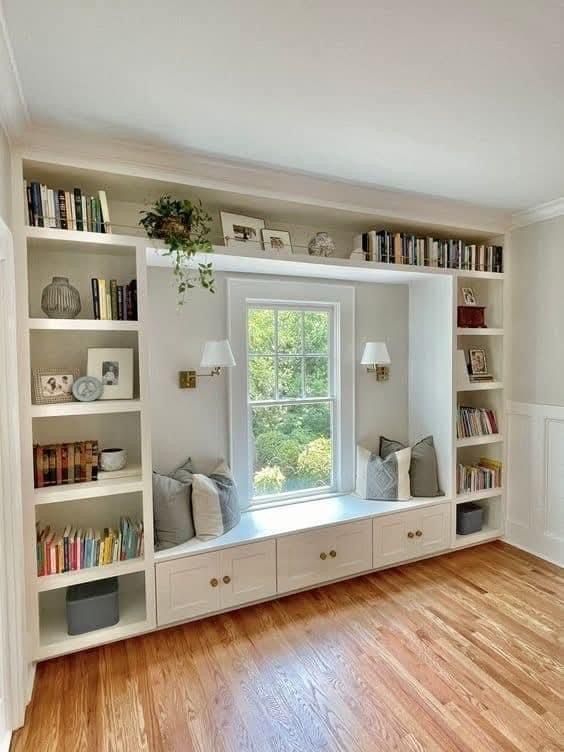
column 185, row 472
column 423, row 470
column 172, row 511
column 215, row 503
column 384, row 479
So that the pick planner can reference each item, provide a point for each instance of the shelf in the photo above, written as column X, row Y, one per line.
column 77, row 325
column 486, row 534
column 479, row 332
column 99, row 407
column 480, row 386
column 54, row 639
column 65, row 579
column 493, row 438
column 488, row 493
column 90, row 490
column 99, row 242
column 467, row 274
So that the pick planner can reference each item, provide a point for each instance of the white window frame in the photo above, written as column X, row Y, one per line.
column 340, row 300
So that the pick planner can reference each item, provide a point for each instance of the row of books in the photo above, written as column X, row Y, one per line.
column 59, row 464
column 66, row 210
column 82, row 548
column 475, row 421
column 113, row 302
column 404, row 248
column 485, row 474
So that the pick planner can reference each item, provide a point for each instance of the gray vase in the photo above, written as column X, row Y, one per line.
column 321, row 245
column 60, row 300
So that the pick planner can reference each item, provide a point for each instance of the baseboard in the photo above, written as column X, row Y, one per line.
column 30, row 682
column 5, row 742
column 533, row 552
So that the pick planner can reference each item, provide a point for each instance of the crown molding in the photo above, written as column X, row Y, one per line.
column 539, row 213
column 14, row 114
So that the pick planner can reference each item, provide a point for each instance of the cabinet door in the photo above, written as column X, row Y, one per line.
column 299, row 560
column 350, row 549
column 394, row 538
column 247, row 573
column 187, row 587
column 433, row 524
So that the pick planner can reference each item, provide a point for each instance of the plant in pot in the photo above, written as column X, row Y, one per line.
column 184, row 226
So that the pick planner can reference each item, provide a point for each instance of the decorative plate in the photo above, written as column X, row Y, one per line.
column 87, row 389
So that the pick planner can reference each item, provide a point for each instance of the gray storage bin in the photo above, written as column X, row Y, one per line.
column 469, row 518
column 92, row 605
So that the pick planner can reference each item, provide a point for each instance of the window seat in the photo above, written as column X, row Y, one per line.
column 261, row 524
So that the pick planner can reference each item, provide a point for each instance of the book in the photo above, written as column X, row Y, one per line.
column 114, row 299
column 78, row 209
column 105, row 212
column 95, row 297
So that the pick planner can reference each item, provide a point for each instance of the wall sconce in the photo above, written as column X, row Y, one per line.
column 376, row 358
column 217, row 355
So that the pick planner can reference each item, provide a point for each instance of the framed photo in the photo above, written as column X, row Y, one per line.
column 51, row 385
column 114, row 367
column 239, row 229
column 468, row 297
column 277, row 241
column 478, row 362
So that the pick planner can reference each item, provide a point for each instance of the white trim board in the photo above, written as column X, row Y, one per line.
column 14, row 114
column 540, row 213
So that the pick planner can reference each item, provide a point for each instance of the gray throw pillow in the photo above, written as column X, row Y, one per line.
column 172, row 511
column 215, row 503
column 423, row 471
column 383, row 479
column 185, row 472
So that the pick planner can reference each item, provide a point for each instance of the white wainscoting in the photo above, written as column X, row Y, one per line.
column 535, row 479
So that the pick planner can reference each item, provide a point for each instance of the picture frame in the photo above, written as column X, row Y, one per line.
column 53, row 385
column 114, row 367
column 468, row 297
column 277, row 242
column 238, row 229
column 478, row 361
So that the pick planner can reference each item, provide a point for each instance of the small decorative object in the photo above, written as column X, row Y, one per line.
column 468, row 296
column 87, row 389
column 461, row 370
column 60, row 300
column 321, row 245
column 114, row 368
column 478, row 365
column 184, row 226
column 277, row 241
column 377, row 360
column 112, row 460
column 358, row 255
column 471, row 317
column 51, row 385
column 239, row 229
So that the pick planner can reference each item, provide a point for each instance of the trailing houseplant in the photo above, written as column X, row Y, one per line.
column 184, row 227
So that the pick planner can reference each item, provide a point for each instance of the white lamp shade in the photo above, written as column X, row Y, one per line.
column 375, row 353
column 217, row 354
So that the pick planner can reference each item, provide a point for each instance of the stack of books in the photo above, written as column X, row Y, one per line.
column 485, row 474
column 59, row 464
column 82, row 548
column 66, row 210
column 113, row 302
column 475, row 421
column 389, row 247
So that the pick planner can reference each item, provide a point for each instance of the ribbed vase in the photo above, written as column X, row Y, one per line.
column 60, row 300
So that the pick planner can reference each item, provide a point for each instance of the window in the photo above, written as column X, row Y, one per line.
column 290, row 399
column 291, row 392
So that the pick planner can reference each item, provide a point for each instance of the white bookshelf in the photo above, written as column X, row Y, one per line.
column 493, row 438
column 89, row 490
column 55, row 581
column 82, row 325
column 100, row 407
column 466, row 332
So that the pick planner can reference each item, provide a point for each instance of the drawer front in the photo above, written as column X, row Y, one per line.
column 394, row 538
column 298, row 560
column 351, row 549
column 184, row 588
column 434, row 524
column 248, row 573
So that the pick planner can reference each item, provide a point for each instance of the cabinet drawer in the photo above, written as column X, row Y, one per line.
column 185, row 587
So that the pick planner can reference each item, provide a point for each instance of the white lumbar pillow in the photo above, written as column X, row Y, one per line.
column 386, row 479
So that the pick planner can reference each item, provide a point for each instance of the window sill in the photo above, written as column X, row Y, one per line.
column 289, row 502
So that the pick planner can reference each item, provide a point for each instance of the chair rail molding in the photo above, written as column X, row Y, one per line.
column 535, row 479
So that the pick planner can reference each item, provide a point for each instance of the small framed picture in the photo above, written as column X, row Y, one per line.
column 51, row 385
column 478, row 362
column 468, row 297
column 114, row 367
column 239, row 229
column 277, row 241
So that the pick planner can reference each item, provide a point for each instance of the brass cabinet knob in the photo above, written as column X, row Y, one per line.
column 332, row 554
column 214, row 582
column 411, row 534
column 323, row 555
column 418, row 533
column 227, row 579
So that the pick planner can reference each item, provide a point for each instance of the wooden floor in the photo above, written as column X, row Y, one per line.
column 462, row 652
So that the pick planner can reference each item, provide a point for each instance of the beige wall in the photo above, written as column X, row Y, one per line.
column 188, row 422
column 537, row 313
column 5, row 180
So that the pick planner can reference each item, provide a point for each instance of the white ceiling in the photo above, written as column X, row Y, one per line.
column 448, row 97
